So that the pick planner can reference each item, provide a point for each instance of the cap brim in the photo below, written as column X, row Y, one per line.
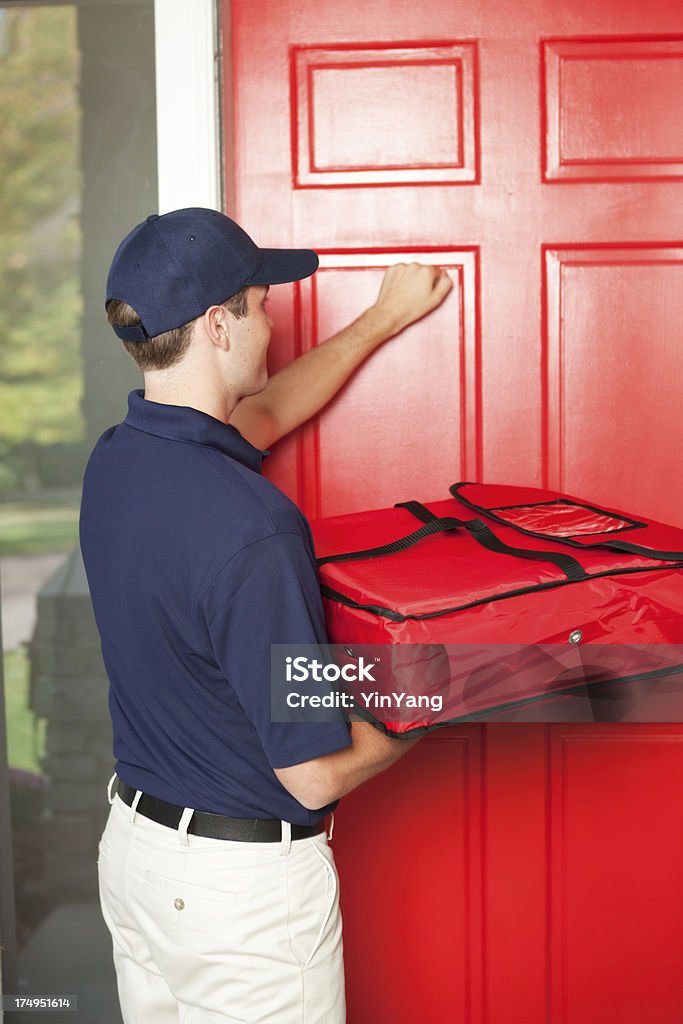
column 279, row 266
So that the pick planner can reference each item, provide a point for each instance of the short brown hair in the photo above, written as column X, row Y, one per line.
column 166, row 349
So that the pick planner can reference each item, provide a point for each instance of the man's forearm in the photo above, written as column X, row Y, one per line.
column 303, row 388
column 371, row 752
column 408, row 292
column 318, row 782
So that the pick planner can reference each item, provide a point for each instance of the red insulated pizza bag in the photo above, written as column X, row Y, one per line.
column 537, row 592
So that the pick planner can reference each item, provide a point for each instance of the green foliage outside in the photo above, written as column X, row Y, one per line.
column 40, row 302
column 27, row 529
column 25, row 734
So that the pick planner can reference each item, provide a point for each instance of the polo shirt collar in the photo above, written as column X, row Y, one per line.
column 182, row 423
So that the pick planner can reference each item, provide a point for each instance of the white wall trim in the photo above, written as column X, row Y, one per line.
column 188, row 143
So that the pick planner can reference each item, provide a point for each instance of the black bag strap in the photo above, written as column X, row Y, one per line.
column 483, row 535
column 612, row 545
column 435, row 525
column 419, row 511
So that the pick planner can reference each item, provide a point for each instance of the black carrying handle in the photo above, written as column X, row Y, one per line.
column 485, row 536
column 434, row 526
column 612, row 545
column 572, row 569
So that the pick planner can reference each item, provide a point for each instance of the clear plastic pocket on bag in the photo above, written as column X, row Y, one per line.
column 562, row 518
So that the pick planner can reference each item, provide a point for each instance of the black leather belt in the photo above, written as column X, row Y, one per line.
column 215, row 826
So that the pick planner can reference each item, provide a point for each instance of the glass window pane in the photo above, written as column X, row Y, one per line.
column 78, row 166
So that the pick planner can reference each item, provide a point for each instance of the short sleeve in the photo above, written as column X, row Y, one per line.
column 268, row 593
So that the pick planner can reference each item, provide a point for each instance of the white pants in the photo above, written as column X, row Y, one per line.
column 209, row 930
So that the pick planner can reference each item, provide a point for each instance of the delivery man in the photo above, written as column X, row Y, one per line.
column 216, row 878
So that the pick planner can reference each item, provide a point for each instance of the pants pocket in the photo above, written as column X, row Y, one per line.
column 180, row 905
column 312, row 900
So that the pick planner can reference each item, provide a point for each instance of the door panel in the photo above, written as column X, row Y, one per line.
column 374, row 440
column 413, row 922
column 612, row 109
column 614, row 848
column 344, row 96
column 615, row 374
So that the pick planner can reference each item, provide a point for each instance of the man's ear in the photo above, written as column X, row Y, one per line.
column 216, row 325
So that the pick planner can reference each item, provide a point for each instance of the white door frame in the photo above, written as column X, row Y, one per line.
column 187, row 52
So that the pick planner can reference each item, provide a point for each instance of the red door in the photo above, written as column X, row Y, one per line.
column 501, row 873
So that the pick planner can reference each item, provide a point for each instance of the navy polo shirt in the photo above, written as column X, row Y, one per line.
column 197, row 564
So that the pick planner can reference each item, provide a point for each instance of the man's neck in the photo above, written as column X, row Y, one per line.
column 176, row 391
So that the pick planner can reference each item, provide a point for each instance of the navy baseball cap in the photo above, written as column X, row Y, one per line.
column 170, row 269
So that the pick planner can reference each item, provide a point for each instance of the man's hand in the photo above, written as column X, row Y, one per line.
column 409, row 291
